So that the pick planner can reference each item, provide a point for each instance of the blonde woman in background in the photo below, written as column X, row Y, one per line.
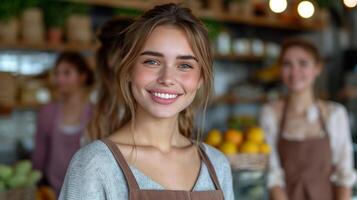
column 312, row 157
column 162, row 73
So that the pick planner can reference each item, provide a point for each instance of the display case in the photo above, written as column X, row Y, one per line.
column 250, row 184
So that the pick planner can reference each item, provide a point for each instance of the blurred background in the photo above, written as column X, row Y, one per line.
column 246, row 37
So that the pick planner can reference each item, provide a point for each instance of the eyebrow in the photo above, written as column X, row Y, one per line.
column 157, row 54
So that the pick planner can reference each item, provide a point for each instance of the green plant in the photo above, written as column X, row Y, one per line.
column 326, row 3
column 213, row 27
column 55, row 13
column 77, row 8
column 9, row 9
column 30, row 3
column 127, row 12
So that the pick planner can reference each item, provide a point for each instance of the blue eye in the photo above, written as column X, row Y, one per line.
column 151, row 62
column 185, row 66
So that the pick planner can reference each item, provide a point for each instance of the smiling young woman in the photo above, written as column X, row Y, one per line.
column 163, row 72
column 312, row 155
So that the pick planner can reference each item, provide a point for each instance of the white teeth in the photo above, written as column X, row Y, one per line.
column 165, row 95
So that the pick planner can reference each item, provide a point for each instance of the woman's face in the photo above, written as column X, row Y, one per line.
column 67, row 78
column 166, row 75
column 299, row 69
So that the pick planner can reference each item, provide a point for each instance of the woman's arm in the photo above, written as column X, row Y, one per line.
column 343, row 193
column 344, row 175
column 278, row 193
column 269, row 123
column 83, row 179
column 42, row 138
column 227, row 183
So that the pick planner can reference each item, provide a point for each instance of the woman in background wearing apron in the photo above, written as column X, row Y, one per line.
column 61, row 123
column 162, row 73
column 312, row 156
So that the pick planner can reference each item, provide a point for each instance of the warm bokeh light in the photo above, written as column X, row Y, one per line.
column 350, row 3
column 306, row 9
column 278, row 6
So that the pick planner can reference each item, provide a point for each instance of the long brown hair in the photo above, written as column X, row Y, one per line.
column 79, row 63
column 111, row 37
column 110, row 119
column 305, row 44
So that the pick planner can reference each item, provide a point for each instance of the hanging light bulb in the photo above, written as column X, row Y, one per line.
column 350, row 3
column 306, row 9
column 278, row 6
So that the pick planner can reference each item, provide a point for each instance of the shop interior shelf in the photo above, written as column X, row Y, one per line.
column 250, row 185
column 232, row 57
column 232, row 99
column 47, row 47
column 218, row 16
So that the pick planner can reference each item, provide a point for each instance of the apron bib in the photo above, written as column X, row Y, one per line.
column 307, row 164
column 135, row 193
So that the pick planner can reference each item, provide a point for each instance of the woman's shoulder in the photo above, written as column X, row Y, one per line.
column 274, row 105
column 217, row 158
column 332, row 108
column 91, row 154
column 272, row 109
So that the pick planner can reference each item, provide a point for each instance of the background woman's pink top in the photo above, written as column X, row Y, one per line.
column 55, row 144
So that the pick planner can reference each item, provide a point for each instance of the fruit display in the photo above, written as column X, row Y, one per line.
column 20, row 175
column 245, row 148
column 234, row 141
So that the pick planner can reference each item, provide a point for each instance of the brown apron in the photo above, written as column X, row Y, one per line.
column 307, row 164
column 135, row 193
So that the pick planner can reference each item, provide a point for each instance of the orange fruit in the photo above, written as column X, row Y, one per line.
column 214, row 138
column 234, row 136
column 255, row 135
column 228, row 148
column 265, row 148
column 249, row 147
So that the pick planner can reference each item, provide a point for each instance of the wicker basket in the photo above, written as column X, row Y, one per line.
column 28, row 193
column 248, row 161
column 8, row 89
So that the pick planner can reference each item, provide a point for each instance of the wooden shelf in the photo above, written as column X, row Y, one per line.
column 232, row 57
column 231, row 99
column 6, row 110
column 135, row 4
column 47, row 47
column 92, row 48
column 224, row 17
column 260, row 21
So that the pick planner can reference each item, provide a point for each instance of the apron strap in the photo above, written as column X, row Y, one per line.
column 284, row 116
column 211, row 170
column 129, row 176
column 322, row 120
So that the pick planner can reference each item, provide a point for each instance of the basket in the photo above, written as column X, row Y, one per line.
column 244, row 161
column 8, row 89
column 28, row 193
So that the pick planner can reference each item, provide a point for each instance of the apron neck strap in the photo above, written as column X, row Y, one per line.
column 129, row 176
column 208, row 163
column 283, row 117
column 285, row 112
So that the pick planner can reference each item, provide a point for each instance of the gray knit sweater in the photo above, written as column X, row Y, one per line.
column 95, row 175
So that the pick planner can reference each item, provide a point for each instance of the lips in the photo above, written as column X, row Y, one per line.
column 163, row 96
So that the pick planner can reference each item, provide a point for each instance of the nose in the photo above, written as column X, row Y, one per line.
column 295, row 69
column 167, row 76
